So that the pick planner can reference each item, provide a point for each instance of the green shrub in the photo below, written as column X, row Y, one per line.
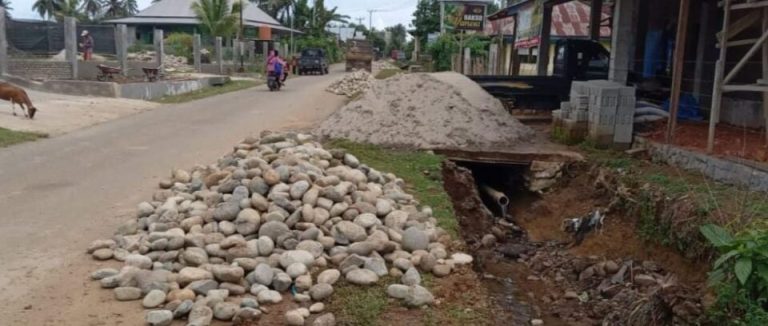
column 180, row 45
column 447, row 45
column 740, row 275
column 140, row 47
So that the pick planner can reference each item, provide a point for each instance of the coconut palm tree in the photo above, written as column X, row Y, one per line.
column 130, row 7
column 7, row 5
column 68, row 8
column 216, row 16
column 91, row 8
column 46, row 8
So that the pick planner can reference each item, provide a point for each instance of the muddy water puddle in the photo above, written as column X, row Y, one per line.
column 533, row 271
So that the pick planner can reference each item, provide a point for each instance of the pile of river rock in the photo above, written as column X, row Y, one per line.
column 352, row 84
column 280, row 218
column 170, row 62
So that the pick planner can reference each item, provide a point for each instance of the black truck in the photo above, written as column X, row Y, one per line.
column 574, row 60
column 313, row 61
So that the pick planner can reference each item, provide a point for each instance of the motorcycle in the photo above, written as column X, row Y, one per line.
column 273, row 82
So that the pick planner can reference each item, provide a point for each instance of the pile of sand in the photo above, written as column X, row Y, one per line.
column 430, row 111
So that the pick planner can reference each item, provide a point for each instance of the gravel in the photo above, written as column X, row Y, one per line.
column 262, row 222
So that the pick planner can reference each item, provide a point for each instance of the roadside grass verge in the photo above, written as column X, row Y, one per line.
column 360, row 305
column 231, row 86
column 421, row 171
column 386, row 73
column 357, row 305
column 10, row 137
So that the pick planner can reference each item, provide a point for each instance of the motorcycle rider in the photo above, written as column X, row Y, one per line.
column 276, row 65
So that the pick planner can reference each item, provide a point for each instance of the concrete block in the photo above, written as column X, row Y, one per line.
column 742, row 113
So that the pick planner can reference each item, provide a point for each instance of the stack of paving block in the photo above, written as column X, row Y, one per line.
column 599, row 109
column 611, row 113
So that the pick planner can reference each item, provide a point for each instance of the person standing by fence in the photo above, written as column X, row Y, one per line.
column 87, row 46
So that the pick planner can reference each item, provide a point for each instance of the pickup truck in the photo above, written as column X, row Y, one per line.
column 313, row 61
column 574, row 60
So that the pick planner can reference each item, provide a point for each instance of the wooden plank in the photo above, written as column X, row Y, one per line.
column 677, row 67
column 717, row 92
column 750, row 5
column 745, row 88
column 740, row 25
column 740, row 42
column 595, row 19
column 752, row 51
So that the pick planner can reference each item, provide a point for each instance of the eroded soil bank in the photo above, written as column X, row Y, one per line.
column 534, row 271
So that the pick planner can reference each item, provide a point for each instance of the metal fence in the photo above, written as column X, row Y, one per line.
column 45, row 38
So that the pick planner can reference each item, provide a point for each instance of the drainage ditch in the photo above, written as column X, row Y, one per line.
column 534, row 271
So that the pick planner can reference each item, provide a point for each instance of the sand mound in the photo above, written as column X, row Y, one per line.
column 444, row 110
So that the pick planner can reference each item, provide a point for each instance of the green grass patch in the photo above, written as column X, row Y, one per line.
column 10, row 137
column 360, row 305
column 386, row 73
column 421, row 171
column 231, row 86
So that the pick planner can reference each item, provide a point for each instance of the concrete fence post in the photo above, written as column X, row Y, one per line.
column 219, row 55
column 3, row 44
column 251, row 52
column 70, row 43
column 493, row 59
column 159, row 49
column 467, row 61
column 121, row 45
column 265, row 50
column 196, row 45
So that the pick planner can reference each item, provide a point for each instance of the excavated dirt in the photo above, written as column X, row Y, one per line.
column 613, row 278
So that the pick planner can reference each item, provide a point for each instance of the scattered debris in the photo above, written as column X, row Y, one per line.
column 428, row 111
column 352, row 84
column 171, row 62
column 279, row 209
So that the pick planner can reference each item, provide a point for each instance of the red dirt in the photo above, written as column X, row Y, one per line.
column 729, row 140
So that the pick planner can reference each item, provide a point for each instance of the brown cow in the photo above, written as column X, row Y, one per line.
column 16, row 95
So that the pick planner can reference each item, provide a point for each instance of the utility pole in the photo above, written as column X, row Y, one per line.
column 370, row 19
column 242, row 31
column 292, row 13
column 360, row 20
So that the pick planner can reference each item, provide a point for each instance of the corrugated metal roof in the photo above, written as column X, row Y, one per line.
column 179, row 12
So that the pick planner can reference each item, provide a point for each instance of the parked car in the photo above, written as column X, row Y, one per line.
column 313, row 61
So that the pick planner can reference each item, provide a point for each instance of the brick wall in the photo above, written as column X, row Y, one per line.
column 40, row 69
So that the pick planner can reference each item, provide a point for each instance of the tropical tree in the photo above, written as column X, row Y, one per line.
column 119, row 8
column 46, row 8
column 426, row 19
column 216, row 16
column 92, row 8
column 130, row 7
column 68, row 8
column 7, row 5
column 397, row 37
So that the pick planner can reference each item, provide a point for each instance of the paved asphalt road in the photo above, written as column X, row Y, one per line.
column 59, row 194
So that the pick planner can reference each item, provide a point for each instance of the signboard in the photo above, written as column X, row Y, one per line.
column 500, row 27
column 529, row 25
column 432, row 37
column 464, row 16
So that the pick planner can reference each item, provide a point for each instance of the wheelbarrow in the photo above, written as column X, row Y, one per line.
column 107, row 73
column 151, row 74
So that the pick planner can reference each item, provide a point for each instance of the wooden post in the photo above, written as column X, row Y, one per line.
column 701, row 47
column 542, row 64
column 717, row 92
column 677, row 68
column 595, row 18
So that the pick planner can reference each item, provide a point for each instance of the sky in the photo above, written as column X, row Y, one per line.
column 389, row 12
